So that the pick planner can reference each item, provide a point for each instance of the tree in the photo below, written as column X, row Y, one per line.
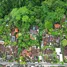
column 48, row 25
column 64, row 42
column 52, row 10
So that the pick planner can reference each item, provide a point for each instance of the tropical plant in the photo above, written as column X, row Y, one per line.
column 64, row 42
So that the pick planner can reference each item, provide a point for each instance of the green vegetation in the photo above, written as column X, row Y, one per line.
column 25, row 14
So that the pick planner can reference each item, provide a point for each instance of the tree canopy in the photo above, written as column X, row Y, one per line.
column 25, row 13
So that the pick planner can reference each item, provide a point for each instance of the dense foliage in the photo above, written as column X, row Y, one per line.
column 25, row 13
